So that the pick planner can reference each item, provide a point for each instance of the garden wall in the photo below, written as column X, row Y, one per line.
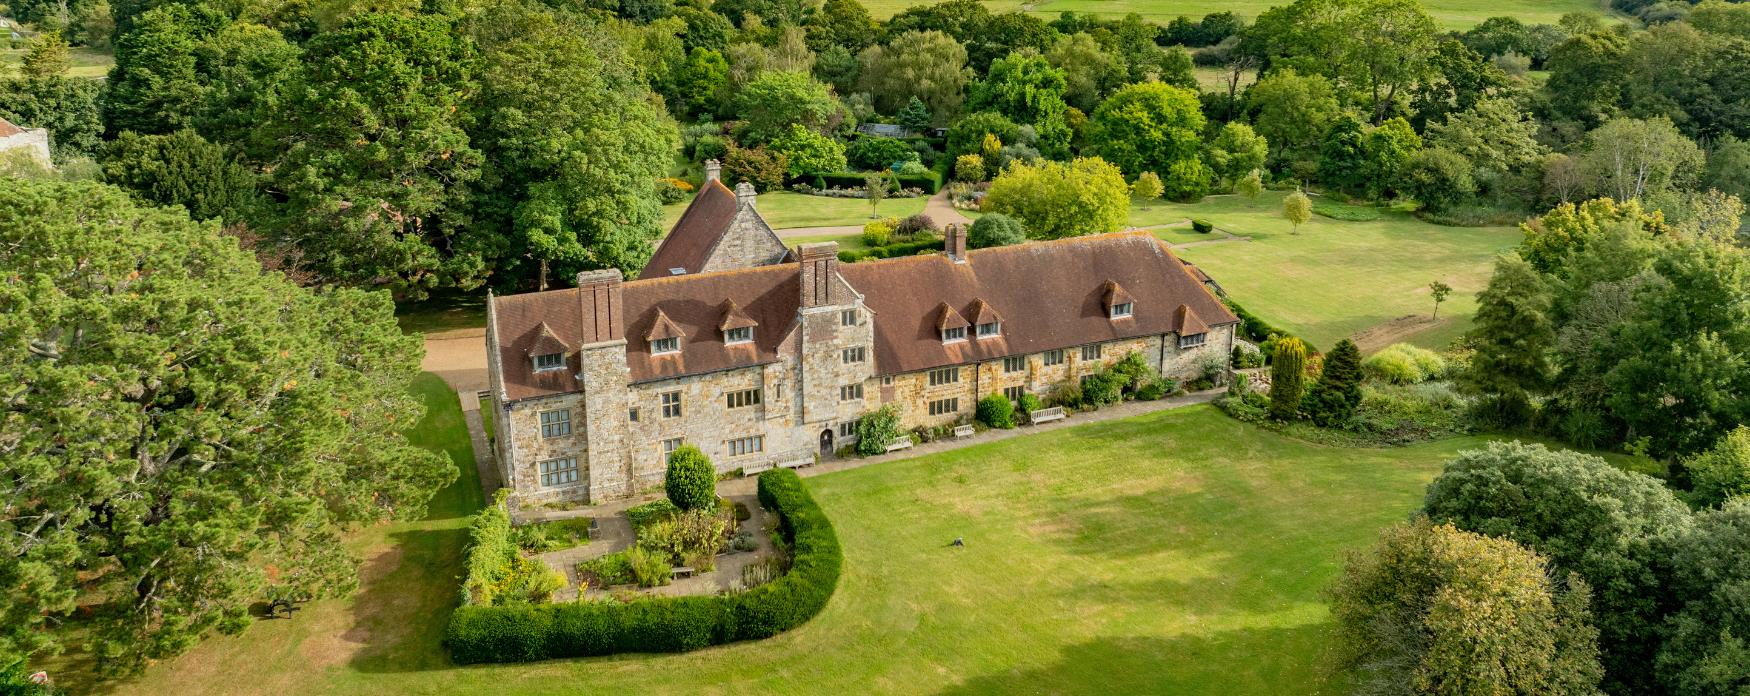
column 667, row 624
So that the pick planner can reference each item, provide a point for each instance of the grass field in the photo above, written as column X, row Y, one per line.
column 1449, row 14
column 1178, row 552
column 85, row 62
column 1337, row 278
column 785, row 209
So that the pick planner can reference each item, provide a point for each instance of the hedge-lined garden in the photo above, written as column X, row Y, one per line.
column 521, row 633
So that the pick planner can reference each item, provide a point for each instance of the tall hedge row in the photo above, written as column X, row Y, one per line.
column 490, row 550
column 928, row 182
column 667, row 624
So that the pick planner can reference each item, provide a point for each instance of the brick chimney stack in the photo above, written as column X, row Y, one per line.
column 820, row 270
column 713, row 170
column 744, row 195
column 602, row 305
column 954, row 242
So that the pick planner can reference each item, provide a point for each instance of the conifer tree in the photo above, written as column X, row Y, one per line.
column 1287, row 378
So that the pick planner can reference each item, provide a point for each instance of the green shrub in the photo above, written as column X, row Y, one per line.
column 1067, row 394
column 653, row 511
column 876, row 429
column 607, row 571
column 1027, row 404
column 1402, row 363
column 668, row 624
column 1287, row 379
column 552, row 536
column 878, row 232
column 1158, row 388
column 1132, row 372
column 994, row 230
column 1243, row 358
column 1202, row 225
column 691, row 482
column 649, row 568
column 1102, row 388
column 996, row 411
column 490, row 553
column 914, row 225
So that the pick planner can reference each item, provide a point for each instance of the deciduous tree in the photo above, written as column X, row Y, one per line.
column 1055, row 200
column 929, row 65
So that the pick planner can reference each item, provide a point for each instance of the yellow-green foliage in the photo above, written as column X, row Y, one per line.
column 1402, row 363
column 877, row 232
column 497, row 572
column 1287, row 378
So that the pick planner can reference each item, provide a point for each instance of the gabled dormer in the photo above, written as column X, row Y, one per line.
column 950, row 325
column 986, row 323
column 1118, row 303
column 665, row 336
column 548, row 351
column 1191, row 328
column 737, row 327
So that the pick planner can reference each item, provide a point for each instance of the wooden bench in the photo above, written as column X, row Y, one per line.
column 1046, row 415
column 963, row 431
column 683, row 572
column 899, row 443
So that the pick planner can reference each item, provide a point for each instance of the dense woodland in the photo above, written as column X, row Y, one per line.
column 445, row 144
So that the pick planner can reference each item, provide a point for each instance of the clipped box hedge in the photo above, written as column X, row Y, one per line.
column 928, row 182
column 891, row 251
column 667, row 624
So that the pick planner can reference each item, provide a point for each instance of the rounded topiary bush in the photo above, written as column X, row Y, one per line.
column 994, row 230
column 996, row 411
column 1203, row 226
column 691, row 483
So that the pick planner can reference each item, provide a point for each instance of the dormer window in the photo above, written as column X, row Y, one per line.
column 660, row 346
column 991, row 328
column 950, row 324
column 742, row 334
column 1119, row 304
column 953, row 333
column 1121, row 310
column 549, row 361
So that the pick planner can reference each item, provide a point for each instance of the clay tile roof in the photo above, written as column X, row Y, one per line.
column 689, row 244
column 1057, row 286
column 947, row 318
column 734, row 318
column 1115, row 294
column 768, row 295
column 7, row 128
column 1188, row 323
column 664, row 327
column 983, row 313
column 547, row 342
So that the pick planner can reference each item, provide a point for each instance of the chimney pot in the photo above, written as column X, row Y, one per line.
column 713, row 170
column 744, row 194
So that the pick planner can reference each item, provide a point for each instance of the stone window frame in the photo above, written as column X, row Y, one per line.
column 847, row 429
column 943, row 407
column 665, row 346
column 671, row 404
column 1092, row 351
column 953, row 334
column 1193, row 341
column 744, row 446
column 557, row 472
column 742, row 398
column 851, row 392
column 1014, row 393
column 852, row 355
column 886, row 380
column 995, row 328
column 943, row 376
column 1052, row 357
column 547, row 362
column 738, row 335
column 848, row 317
column 670, row 445
column 1014, row 363
column 1122, row 310
column 555, row 423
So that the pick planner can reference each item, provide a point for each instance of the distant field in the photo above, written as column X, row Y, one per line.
column 86, row 62
column 1450, row 14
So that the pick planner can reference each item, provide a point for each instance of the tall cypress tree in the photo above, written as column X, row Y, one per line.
column 1287, row 378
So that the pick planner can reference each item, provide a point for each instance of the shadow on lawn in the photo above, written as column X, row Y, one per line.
column 1259, row 660
column 405, row 598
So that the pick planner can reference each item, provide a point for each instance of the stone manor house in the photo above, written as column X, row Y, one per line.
column 766, row 356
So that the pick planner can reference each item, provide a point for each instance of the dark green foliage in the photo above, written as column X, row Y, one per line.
column 876, row 430
column 760, row 166
column 1160, row 388
column 875, row 152
column 668, row 624
column 1333, row 400
column 1346, row 213
column 182, row 169
column 892, row 251
column 1343, row 156
column 915, row 115
column 1513, row 335
column 913, row 225
column 1102, row 388
column 996, row 411
column 1287, row 379
column 966, row 136
column 928, row 182
column 1439, row 178
column 1707, row 644
column 1202, row 225
column 994, row 230
column 1027, row 404
column 653, row 511
column 1723, row 471
column 489, row 549
column 691, row 482
column 1588, row 518
column 43, row 96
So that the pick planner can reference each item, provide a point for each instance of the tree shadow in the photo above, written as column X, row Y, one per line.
column 405, row 598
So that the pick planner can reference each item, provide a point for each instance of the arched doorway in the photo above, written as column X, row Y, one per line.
column 826, row 441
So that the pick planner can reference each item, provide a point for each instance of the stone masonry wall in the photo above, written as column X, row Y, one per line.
column 519, row 430
column 748, row 242
column 1182, row 364
column 911, row 392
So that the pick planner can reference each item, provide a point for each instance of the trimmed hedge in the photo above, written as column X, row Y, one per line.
column 1202, row 225
column 891, row 251
column 929, row 182
column 668, row 624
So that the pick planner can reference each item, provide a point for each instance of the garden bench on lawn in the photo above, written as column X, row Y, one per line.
column 899, row 444
column 963, row 431
column 683, row 572
column 1046, row 415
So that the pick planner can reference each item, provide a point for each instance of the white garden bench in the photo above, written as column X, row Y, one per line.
column 899, row 443
column 682, row 572
column 1046, row 415
column 963, row 431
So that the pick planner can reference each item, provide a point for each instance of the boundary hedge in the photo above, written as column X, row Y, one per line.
column 891, row 251
column 668, row 624
column 929, row 182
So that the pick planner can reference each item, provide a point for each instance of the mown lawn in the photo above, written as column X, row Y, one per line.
column 84, row 62
column 785, row 209
column 1178, row 552
column 1449, row 14
column 1337, row 278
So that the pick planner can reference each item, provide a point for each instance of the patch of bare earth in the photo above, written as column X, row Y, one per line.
column 1394, row 331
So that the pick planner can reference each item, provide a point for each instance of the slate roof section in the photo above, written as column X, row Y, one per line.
column 689, row 244
column 1053, row 292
